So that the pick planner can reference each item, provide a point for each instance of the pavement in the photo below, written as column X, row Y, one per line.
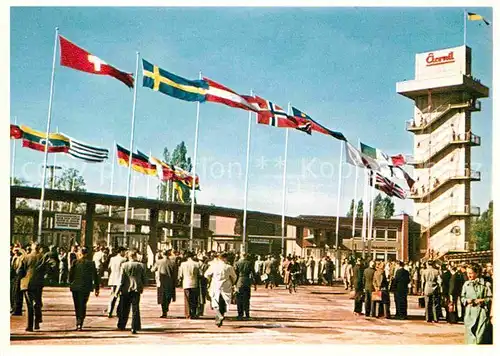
column 313, row 315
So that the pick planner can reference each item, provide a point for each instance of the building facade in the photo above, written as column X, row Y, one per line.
column 445, row 95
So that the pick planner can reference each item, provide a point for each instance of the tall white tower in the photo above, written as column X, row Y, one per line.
column 445, row 94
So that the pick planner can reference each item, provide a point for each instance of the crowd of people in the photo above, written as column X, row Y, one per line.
column 222, row 279
column 465, row 292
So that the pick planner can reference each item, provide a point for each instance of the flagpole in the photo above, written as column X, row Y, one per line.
column 355, row 205
column 129, row 174
column 111, row 189
column 465, row 27
column 372, row 207
column 339, row 192
column 49, row 117
column 193, row 189
column 149, row 180
column 283, row 204
column 363, row 228
column 245, row 202
column 13, row 165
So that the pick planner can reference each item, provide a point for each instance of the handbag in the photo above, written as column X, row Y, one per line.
column 451, row 307
column 377, row 296
column 352, row 294
column 264, row 277
column 421, row 302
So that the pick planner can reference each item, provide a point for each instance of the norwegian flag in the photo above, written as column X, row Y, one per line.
column 273, row 115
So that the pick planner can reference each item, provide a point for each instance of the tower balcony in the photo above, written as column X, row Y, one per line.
column 444, row 214
column 467, row 138
column 423, row 192
column 440, row 112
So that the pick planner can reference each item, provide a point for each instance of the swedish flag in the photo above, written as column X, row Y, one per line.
column 476, row 17
column 168, row 83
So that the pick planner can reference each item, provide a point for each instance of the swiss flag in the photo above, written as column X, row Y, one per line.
column 77, row 58
column 15, row 132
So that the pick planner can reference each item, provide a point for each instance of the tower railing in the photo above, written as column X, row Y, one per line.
column 444, row 213
column 422, row 191
column 441, row 110
column 444, row 140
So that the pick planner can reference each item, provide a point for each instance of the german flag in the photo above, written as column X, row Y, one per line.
column 139, row 163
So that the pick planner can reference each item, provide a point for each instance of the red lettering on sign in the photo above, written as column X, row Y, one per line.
column 433, row 60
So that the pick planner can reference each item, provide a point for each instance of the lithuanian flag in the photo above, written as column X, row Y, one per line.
column 36, row 140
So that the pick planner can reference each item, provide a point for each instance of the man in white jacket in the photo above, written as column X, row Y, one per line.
column 221, row 277
column 115, row 264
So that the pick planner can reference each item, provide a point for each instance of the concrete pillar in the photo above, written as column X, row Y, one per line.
column 89, row 225
column 12, row 216
column 153, row 230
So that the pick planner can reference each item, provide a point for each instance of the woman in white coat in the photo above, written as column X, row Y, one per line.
column 221, row 278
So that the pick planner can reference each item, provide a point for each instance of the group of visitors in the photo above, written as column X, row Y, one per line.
column 464, row 292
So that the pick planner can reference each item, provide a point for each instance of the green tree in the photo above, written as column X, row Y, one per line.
column 70, row 180
column 378, row 208
column 388, row 207
column 482, row 230
column 351, row 209
column 359, row 212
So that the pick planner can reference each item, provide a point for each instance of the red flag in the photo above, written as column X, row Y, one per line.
column 15, row 132
column 77, row 58
column 221, row 94
column 398, row 160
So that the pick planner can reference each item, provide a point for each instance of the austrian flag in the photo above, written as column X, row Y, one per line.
column 77, row 58
column 218, row 93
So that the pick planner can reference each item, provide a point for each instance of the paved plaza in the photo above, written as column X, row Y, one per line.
column 315, row 315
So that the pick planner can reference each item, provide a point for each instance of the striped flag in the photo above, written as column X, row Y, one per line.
column 85, row 151
column 219, row 93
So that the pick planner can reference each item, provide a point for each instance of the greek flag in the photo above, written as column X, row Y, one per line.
column 86, row 152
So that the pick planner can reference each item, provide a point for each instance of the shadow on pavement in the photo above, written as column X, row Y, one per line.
column 63, row 337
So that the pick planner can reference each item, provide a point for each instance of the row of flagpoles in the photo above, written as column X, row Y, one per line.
column 201, row 90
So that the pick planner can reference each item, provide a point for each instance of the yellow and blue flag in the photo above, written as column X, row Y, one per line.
column 476, row 17
column 168, row 83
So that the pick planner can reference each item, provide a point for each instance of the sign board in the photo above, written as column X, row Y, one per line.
column 442, row 63
column 259, row 241
column 68, row 221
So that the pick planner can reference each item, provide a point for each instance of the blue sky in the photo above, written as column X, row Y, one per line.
column 339, row 65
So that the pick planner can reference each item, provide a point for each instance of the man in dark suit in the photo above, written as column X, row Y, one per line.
column 167, row 270
column 357, row 283
column 131, row 286
column 245, row 279
column 401, row 281
column 368, row 285
column 15, row 280
column 83, row 278
column 455, row 290
column 445, row 289
column 32, row 271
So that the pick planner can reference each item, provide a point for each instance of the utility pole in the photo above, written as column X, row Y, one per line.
column 52, row 169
